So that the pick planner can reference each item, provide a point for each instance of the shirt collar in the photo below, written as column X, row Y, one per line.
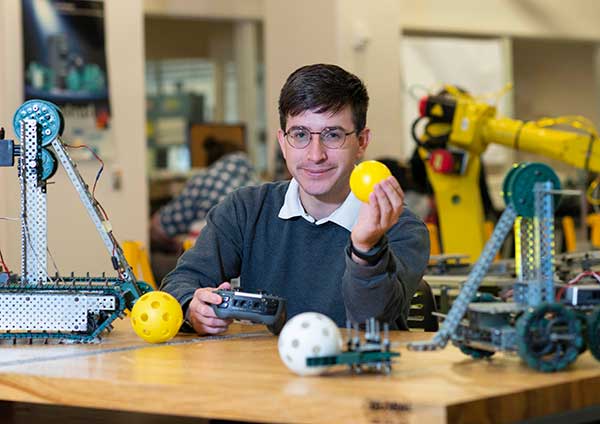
column 345, row 215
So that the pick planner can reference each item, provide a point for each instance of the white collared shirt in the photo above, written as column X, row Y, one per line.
column 345, row 215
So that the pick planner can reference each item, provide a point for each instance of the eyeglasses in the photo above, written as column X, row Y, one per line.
column 331, row 138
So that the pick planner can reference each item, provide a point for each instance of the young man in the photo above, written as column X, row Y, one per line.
column 310, row 240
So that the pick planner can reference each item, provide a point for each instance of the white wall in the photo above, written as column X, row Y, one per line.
column 368, row 42
column 576, row 19
column 554, row 78
column 294, row 35
column 11, row 89
column 477, row 65
column 72, row 239
column 358, row 36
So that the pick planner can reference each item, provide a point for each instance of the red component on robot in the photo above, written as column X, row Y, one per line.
column 423, row 106
column 438, row 108
column 442, row 161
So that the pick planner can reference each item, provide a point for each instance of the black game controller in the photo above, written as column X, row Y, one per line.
column 258, row 308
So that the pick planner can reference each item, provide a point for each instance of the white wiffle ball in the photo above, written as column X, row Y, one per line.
column 306, row 335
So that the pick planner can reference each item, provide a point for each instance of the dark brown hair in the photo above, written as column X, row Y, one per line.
column 323, row 88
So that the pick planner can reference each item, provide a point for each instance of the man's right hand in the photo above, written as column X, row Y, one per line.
column 201, row 314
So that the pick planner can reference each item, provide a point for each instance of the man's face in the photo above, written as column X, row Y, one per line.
column 321, row 172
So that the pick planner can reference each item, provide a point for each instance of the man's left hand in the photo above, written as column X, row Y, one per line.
column 385, row 206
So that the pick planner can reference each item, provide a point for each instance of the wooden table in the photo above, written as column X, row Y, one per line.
column 242, row 378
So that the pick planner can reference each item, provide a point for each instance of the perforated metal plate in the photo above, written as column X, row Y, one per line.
column 27, row 312
column 33, row 206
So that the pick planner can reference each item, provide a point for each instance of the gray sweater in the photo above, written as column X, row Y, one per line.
column 305, row 263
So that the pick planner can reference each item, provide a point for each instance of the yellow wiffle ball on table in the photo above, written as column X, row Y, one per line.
column 156, row 317
column 365, row 176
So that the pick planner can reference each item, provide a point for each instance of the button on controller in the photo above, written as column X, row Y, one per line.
column 259, row 308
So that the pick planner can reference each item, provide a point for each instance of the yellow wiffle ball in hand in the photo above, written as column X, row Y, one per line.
column 156, row 317
column 364, row 177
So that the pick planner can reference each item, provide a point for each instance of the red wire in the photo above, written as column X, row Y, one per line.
column 102, row 209
column 97, row 175
column 575, row 280
column 94, row 187
column 4, row 263
column 97, row 158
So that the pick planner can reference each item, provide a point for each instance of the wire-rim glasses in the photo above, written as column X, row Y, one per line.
column 331, row 138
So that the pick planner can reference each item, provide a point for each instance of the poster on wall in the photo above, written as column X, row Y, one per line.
column 65, row 63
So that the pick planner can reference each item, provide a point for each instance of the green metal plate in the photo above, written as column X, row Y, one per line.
column 520, row 183
column 49, row 164
column 47, row 114
column 506, row 185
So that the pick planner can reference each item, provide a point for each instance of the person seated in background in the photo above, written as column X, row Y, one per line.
column 228, row 169
column 309, row 239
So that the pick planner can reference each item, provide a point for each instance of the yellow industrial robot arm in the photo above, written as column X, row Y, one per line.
column 458, row 129
column 474, row 127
